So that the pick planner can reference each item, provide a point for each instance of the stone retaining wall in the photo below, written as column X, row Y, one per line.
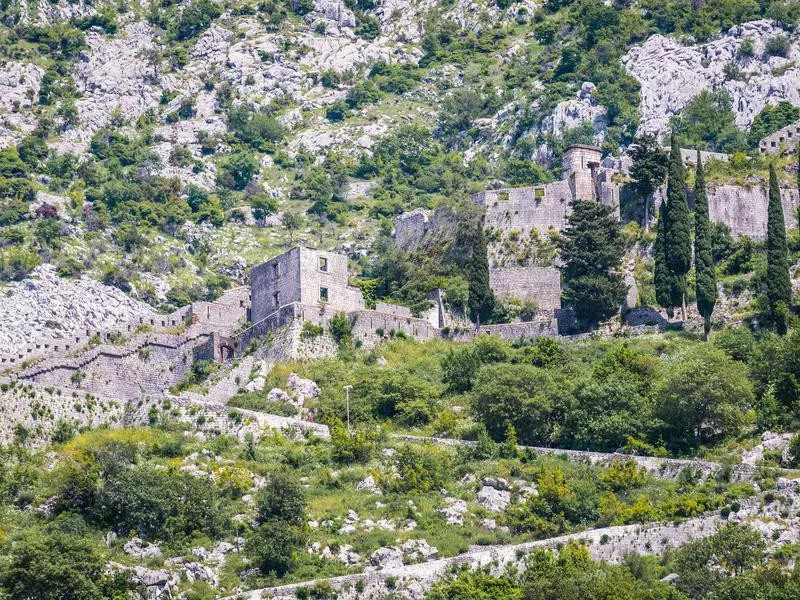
column 610, row 544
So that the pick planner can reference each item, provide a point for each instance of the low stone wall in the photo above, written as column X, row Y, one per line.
column 610, row 544
column 146, row 365
column 665, row 468
column 216, row 419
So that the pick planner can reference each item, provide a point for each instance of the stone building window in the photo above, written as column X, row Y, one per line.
column 277, row 298
column 323, row 294
column 276, row 270
column 323, row 264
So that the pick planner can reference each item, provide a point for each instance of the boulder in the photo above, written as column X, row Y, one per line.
column 492, row 499
column 418, row 550
column 384, row 558
column 453, row 511
column 140, row 549
column 368, row 484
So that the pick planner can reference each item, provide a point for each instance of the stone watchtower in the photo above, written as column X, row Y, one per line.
column 581, row 165
column 303, row 276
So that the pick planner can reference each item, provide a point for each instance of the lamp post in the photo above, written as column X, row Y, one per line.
column 347, row 389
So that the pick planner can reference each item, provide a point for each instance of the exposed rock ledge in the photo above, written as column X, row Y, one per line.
column 46, row 306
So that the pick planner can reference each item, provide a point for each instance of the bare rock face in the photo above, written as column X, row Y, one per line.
column 385, row 558
column 19, row 89
column 453, row 511
column 117, row 78
column 46, row 306
column 671, row 74
column 334, row 16
column 573, row 113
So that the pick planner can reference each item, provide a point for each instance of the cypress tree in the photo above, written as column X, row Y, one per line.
column 591, row 254
column 481, row 298
column 779, row 285
column 678, row 235
column 706, row 279
column 661, row 276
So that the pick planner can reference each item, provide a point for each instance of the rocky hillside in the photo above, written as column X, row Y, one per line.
column 166, row 148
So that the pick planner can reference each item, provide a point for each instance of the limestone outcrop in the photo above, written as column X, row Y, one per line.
column 46, row 306
column 671, row 74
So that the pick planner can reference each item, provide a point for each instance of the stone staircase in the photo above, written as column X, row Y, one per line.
column 132, row 346
column 226, row 385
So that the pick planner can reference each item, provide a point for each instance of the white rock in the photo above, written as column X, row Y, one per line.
column 368, row 484
column 384, row 558
column 492, row 499
column 453, row 510
column 143, row 550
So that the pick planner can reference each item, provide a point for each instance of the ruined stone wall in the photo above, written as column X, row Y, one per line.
column 367, row 322
column 280, row 275
column 783, row 139
column 147, row 365
column 412, row 227
column 743, row 208
column 542, row 284
column 580, row 165
column 342, row 297
column 540, row 207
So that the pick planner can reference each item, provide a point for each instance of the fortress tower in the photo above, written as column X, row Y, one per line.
column 581, row 165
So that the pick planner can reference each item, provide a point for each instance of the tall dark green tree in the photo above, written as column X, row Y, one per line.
column 779, row 285
column 678, row 235
column 661, row 274
column 706, row 279
column 649, row 170
column 591, row 253
column 481, row 298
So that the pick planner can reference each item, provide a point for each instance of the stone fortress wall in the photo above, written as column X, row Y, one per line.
column 743, row 208
column 542, row 284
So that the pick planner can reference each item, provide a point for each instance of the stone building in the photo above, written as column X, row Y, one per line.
column 303, row 276
column 783, row 140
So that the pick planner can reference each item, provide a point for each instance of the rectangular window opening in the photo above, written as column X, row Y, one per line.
column 323, row 264
column 323, row 294
column 277, row 298
column 276, row 270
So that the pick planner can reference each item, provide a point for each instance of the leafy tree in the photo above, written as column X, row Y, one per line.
column 365, row 92
column 158, row 503
column 708, row 123
column 771, row 119
column 237, row 170
column 591, row 253
column 702, row 397
column 194, row 19
column 523, row 396
column 705, row 274
column 459, row 369
column 677, row 238
column 275, row 546
column 292, row 222
column 58, row 566
column 778, row 282
column 282, row 499
column 252, row 127
column 649, row 170
column 11, row 165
